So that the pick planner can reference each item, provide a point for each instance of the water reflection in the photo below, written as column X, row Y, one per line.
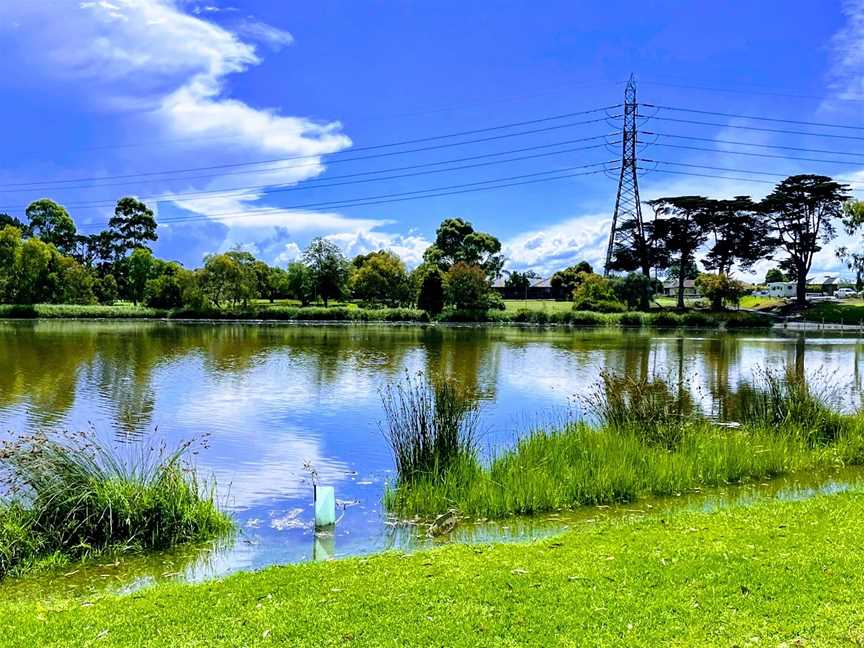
column 272, row 397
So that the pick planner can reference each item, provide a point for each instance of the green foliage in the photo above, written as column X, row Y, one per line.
column 380, row 278
column 456, row 241
column 105, row 290
column 430, row 292
column 132, row 226
column 466, row 287
column 720, row 289
column 565, row 281
column 140, row 267
column 775, row 275
column 634, row 289
column 300, row 283
column 77, row 497
column 596, row 293
column 803, row 211
column 52, row 223
column 328, row 267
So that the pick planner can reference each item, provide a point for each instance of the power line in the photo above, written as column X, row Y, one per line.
column 739, row 143
column 313, row 183
column 753, row 154
column 364, row 148
column 756, row 128
column 737, row 170
column 396, row 198
column 767, row 93
column 754, row 117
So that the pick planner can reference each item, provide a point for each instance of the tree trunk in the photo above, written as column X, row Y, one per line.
column 681, row 275
column 801, row 289
column 644, row 301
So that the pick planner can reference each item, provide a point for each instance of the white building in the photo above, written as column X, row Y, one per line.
column 782, row 289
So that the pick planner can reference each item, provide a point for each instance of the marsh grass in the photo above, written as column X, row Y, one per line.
column 430, row 426
column 649, row 440
column 67, row 497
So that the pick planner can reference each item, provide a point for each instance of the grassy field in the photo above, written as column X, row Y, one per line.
column 544, row 305
column 773, row 574
column 848, row 311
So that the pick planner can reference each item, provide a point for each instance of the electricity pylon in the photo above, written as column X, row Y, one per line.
column 627, row 204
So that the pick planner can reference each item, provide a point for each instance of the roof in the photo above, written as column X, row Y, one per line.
column 499, row 283
column 542, row 283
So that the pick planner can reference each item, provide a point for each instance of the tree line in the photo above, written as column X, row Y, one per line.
column 44, row 259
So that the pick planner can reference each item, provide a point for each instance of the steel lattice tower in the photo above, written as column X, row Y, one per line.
column 627, row 204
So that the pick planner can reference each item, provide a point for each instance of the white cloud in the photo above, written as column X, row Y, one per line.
column 847, row 75
column 409, row 247
column 560, row 245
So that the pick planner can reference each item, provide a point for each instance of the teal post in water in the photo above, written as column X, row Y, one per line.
column 325, row 506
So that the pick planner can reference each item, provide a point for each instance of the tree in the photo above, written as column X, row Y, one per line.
column 466, row 287
column 32, row 272
column 775, row 275
column 520, row 282
column 853, row 219
column 638, row 247
column 299, row 283
column 430, row 289
column 277, row 285
column 52, row 223
column 219, row 272
column 132, row 226
column 167, row 288
column 683, row 229
column 380, row 277
column 802, row 210
column 740, row 235
column 565, row 281
column 329, row 269
column 105, row 290
column 10, row 255
column 673, row 270
column 595, row 293
column 457, row 242
column 633, row 289
column 141, row 266
column 719, row 289
column 12, row 221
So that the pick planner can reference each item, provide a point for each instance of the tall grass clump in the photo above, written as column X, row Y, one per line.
column 790, row 399
column 71, row 497
column 646, row 438
column 647, row 407
column 430, row 426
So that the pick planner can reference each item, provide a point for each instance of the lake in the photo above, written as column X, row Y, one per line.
column 271, row 398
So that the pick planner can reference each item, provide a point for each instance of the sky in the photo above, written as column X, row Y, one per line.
column 262, row 124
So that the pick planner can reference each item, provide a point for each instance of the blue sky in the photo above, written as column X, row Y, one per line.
column 115, row 97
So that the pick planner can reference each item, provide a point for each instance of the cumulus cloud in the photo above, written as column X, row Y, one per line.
column 409, row 247
column 560, row 245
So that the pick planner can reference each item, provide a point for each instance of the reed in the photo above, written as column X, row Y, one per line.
column 430, row 426
column 72, row 497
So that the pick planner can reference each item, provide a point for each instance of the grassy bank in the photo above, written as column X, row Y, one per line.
column 568, row 317
column 648, row 439
column 69, row 498
column 742, row 576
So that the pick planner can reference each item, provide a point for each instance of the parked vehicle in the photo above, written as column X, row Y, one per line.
column 845, row 293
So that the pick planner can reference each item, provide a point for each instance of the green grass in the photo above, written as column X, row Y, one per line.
column 648, row 440
column 544, row 305
column 772, row 574
column 848, row 311
column 68, row 497
column 561, row 314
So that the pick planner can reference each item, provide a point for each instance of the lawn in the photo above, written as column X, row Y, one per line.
column 545, row 305
column 848, row 311
column 773, row 574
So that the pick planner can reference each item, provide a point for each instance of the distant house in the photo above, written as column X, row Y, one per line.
column 670, row 288
column 541, row 289
column 830, row 285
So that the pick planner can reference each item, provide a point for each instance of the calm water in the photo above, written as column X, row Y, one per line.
column 272, row 398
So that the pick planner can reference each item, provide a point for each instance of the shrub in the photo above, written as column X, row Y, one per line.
column 106, row 290
column 466, row 287
column 720, row 289
column 595, row 293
